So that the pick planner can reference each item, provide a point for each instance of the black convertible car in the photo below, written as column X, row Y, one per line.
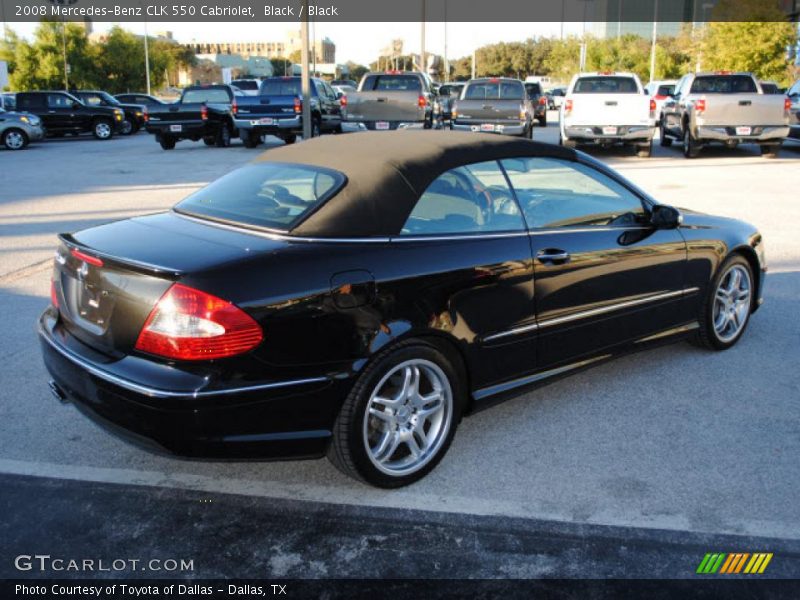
column 357, row 295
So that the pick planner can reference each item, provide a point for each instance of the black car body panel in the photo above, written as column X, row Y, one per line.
column 328, row 305
column 133, row 112
column 62, row 112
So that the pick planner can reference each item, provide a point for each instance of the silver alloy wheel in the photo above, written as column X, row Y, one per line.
column 14, row 140
column 408, row 417
column 103, row 130
column 732, row 303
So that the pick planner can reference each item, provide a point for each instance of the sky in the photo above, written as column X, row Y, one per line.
column 359, row 42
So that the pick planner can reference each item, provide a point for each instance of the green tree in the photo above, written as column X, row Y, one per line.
column 296, row 56
column 356, row 71
column 120, row 62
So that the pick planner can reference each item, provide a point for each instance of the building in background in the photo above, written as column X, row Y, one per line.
column 323, row 50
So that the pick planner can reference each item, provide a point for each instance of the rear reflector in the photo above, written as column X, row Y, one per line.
column 188, row 324
column 53, row 293
column 92, row 260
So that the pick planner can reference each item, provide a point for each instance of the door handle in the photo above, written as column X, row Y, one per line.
column 552, row 256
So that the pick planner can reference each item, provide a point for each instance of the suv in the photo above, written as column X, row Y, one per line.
column 63, row 113
column 134, row 113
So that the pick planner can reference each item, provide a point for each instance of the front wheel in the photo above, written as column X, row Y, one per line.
column 103, row 130
column 15, row 139
column 400, row 417
column 725, row 311
column 127, row 127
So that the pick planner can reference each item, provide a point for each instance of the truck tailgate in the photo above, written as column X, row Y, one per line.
column 742, row 109
column 489, row 111
column 178, row 113
column 266, row 106
column 609, row 109
column 384, row 106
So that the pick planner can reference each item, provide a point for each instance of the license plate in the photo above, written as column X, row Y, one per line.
column 487, row 127
column 266, row 121
column 743, row 130
column 609, row 131
column 176, row 127
column 382, row 125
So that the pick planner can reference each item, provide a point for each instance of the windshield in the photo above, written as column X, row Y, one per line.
column 269, row 195
column 392, row 83
column 724, row 84
column 281, row 87
column 605, row 85
column 109, row 99
column 217, row 95
column 794, row 90
column 493, row 90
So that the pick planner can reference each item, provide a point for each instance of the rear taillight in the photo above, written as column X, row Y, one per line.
column 652, row 108
column 343, row 101
column 567, row 106
column 422, row 101
column 187, row 324
column 234, row 108
column 53, row 293
column 542, row 101
column 700, row 106
column 87, row 258
column 298, row 106
column 204, row 112
column 146, row 115
column 787, row 106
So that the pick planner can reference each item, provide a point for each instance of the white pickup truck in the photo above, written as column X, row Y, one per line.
column 608, row 108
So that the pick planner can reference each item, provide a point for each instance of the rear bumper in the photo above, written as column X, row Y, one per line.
column 189, row 130
column 794, row 132
column 279, row 125
column 372, row 125
column 502, row 128
column 262, row 420
column 625, row 134
column 723, row 133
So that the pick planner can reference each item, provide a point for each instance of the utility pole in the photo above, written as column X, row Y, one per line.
column 653, row 45
column 305, row 78
column 146, row 58
column 422, row 58
column 446, row 64
column 64, row 46
column 474, row 69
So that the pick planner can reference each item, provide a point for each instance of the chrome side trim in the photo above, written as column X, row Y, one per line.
column 621, row 229
column 158, row 393
column 590, row 313
column 446, row 238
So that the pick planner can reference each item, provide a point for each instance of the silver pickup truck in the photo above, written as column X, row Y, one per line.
column 390, row 100
column 494, row 104
column 724, row 107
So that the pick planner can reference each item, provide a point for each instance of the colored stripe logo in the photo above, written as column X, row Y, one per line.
column 733, row 563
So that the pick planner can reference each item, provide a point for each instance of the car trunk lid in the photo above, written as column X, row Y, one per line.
column 742, row 110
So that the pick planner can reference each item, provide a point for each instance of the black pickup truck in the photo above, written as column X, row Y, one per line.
column 278, row 110
column 204, row 112
column 63, row 113
column 134, row 113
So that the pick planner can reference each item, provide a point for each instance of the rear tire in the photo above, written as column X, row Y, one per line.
column 167, row 142
column 770, row 150
column 102, row 129
column 691, row 149
column 127, row 127
column 223, row 139
column 15, row 139
column 663, row 139
column 250, row 139
column 725, row 310
column 316, row 128
column 645, row 150
column 400, row 417
column 290, row 139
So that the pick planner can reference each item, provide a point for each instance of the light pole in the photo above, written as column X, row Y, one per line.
column 423, row 63
column 653, row 44
column 446, row 64
column 305, row 78
column 146, row 58
column 64, row 47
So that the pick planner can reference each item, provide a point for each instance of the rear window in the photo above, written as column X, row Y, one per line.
column 281, row 87
column 245, row 84
column 25, row 102
column 533, row 89
column 392, row 83
column 213, row 95
column 488, row 90
column 724, row 84
column 665, row 90
column 770, row 88
column 271, row 195
column 605, row 85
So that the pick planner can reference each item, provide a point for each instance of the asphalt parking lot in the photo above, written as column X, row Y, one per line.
column 675, row 440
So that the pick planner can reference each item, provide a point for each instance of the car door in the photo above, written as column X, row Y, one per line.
column 603, row 275
column 35, row 104
column 672, row 109
column 472, row 273
column 328, row 106
column 60, row 113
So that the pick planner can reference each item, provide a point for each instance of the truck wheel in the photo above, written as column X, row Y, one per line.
column 691, row 149
column 167, row 142
column 770, row 150
column 15, row 139
column 250, row 139
column 127, row 127
column 663, row 138
column 290, row 139
column 209, row 140
column 316, row 130
column 102, row 129
column 567, row 143
column 644, row 150
column 223, row 136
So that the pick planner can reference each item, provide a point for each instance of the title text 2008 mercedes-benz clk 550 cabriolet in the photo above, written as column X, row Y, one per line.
column 355, row 296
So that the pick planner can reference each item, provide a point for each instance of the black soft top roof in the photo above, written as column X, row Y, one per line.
column 388, row 171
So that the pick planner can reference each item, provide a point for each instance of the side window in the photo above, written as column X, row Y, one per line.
column 470, row 199
column 58, row 101
column 558, row 193
column 92, row 100
column 31, row 102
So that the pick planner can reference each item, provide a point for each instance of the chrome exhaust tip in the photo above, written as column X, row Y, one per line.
column 57, row 392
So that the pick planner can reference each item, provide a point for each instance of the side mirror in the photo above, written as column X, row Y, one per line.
column 663, row 216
